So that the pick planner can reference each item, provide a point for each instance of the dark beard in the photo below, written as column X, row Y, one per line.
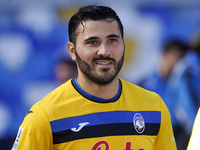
column 101, row 80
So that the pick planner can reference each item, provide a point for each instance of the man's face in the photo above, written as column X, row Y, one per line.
column 99, row 51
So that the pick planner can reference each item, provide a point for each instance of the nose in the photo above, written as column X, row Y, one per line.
column 104, row 50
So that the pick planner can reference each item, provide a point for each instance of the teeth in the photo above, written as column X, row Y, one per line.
column 103, row 63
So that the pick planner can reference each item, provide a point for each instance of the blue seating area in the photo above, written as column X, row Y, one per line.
column 27, row 60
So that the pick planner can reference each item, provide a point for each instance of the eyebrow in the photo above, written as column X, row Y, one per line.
column 91, row 38
column 95, row 37
column 113, row 35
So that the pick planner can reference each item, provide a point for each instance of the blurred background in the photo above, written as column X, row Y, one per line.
column 162, row 55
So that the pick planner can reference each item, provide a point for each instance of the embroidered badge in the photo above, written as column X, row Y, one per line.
column 139, row 123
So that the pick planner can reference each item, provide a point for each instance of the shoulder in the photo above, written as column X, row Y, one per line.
column 130, row 87
column 36, row 119
column 57, row 94
column 141, row 98
column 55, row 102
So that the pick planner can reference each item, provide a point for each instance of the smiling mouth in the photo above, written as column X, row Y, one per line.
column 103, row 63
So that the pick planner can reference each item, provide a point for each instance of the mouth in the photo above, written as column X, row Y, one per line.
column 103, row 62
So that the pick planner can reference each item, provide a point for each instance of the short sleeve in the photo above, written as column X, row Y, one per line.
column 35, row 132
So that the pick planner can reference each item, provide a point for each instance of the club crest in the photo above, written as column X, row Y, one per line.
column 139, row 123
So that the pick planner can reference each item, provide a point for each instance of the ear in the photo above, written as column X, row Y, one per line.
column 71, row 50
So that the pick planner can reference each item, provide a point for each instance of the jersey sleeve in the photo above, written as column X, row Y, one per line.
column 165, row 139
column 34, row 132
column 194, row 142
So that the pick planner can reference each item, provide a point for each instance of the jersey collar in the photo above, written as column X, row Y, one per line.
column 95, row 98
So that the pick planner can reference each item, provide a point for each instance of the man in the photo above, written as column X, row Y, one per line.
column 158, row 80
column 97, row 110
column 186, row 87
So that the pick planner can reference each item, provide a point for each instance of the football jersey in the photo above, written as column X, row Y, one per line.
column 71, row 119
column 194, row 142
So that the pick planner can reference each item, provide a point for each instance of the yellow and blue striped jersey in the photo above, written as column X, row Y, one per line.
column 70, row 119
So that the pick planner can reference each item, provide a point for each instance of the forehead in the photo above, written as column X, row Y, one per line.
column 98, row 28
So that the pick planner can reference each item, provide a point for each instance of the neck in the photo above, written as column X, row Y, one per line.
column 107, row 91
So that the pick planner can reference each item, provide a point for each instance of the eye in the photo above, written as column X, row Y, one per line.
column 112, row 40
column 92, row 42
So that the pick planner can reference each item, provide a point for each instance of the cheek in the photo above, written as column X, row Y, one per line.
column 86, row 53
column 118, row 53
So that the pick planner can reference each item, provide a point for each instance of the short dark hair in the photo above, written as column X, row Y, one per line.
column 176, row 44
column 94, row 13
